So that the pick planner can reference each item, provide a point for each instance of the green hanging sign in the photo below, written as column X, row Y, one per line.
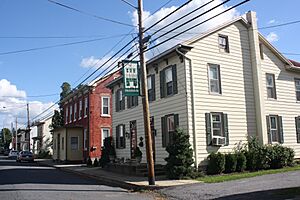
column 131, row 78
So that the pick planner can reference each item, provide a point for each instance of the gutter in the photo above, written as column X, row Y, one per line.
column 193, row 106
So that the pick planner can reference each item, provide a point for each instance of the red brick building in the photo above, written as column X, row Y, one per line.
column 90, row 108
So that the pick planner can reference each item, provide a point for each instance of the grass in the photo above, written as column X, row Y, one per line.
column 236, row 176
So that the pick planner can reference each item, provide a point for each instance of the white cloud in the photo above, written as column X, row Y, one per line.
column 272, row 21
column 13, row 104
column 272, row 37
column 151, row 19
column 97, row 62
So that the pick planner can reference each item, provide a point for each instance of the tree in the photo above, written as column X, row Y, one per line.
column 57, row 120
column 180, row 159
column 6, row 137
column 65, row 90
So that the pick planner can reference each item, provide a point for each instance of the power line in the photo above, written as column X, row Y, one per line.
column 55, row 46
column 56, row 37
column 89, row 14
column 279, row 25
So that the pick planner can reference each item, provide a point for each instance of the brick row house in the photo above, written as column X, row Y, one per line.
column 220, row 87
column 87, row 119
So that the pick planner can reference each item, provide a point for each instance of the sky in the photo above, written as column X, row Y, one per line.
column 35, row 76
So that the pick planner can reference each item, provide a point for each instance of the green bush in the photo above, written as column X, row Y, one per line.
column 216, row 163
column 180, row 159
column 282, row 156
column 230, row 163
column 240, row 162
column 107, row 152
column 290, row 156
column 89, row 162
column 96, row 163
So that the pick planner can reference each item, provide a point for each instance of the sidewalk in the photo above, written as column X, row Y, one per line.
column 114, row 179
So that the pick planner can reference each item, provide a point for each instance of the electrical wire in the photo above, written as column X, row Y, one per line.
column 56, row 37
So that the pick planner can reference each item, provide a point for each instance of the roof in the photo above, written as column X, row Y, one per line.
column 295, row 63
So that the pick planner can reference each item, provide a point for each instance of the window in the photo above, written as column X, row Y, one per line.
column 67, row 114
column 71, row 113
column 120, row 100
column 275, row 130
column 105, row 134
column 216, row 127
column 80, row 109
column 105, row 106
column 151, row 87
column 214, row 79
column 261, row 50
column 85, row 107
column 297, row 122
column 169, row 123
column 120, row 137
column 75, row 111
column 74, row 143
column 54, row 144
column 297, row 86
column 62, row 143
column 168, row 81
column 223, row 43
column 271, row 88
column 132, row 101
column 85, row 141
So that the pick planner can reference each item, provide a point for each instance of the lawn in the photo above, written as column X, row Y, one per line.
column 235, row 176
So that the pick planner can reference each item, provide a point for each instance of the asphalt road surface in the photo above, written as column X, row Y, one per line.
column 30, row 181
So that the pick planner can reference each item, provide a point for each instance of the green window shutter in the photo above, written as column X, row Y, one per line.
column 123, row 138
column 163, row 131
column 136, row 98
column 117, row 136
column 225, row 128
column 208, row 128
column 153, row 86
column 297, row 129
column 268, row 130
column 174, row 75
column 162, row 83
column 280, row 130
column 117, row 100
column 123, row 103
column 220, row 85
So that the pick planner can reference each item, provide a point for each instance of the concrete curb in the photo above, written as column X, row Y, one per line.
column 107, row 181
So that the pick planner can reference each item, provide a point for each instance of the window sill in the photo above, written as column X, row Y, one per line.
column 214, row 93
column 271, row 99
column 105, row 115
column 85, row 116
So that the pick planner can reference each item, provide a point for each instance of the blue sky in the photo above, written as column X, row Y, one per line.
column 43, row 71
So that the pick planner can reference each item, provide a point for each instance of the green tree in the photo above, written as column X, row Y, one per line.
column 6, row 137
column 180, row 159
column 65, row 90
column 57, row 120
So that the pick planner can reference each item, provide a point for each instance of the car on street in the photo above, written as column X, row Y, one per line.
column 6, row 152
column 25, row 156
column 13, row 154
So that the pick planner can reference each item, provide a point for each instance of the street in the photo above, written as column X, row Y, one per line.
column 31, row 181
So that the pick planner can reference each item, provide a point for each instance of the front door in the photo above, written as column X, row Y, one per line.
column 153, row 134
column 133, row 138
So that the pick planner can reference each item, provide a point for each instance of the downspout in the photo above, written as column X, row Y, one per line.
column 193, row 105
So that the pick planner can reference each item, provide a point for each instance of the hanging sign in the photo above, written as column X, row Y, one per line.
column 131, row 78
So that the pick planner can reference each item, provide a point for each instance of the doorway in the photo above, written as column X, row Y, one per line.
column 153, row 134
column 133, row 138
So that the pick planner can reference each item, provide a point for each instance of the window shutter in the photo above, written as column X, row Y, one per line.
column 117, row 136
column 123, row 102
column 163, row 131
column 117, row 100
column 268, row 130
column 220, row 85
column 208, row 128
column 153, row 87
column 297, row 129
column 136, row 98
column 225, row 128
column 162, row 83
column 174, row 75
column 128, row 102
column 280, row 130
column 176, row 121
column 123, row 138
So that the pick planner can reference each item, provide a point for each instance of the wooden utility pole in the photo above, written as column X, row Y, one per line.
column 16, row 134
column 28, row 128
column 147, row 128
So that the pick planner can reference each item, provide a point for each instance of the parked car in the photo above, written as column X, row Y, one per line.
column 13, row 154
column 25, row 156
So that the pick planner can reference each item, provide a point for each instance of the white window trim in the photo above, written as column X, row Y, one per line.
column 296, row 79
column 84, row 138
column 102, row 134
column 212, row 125
column 71, row 112
column 102, row 114
column 218, row 79
column 277, row 129
column 77, row 143
column 75, row 111
column 67, row 114
column 85, row 106
column 80, row 109
column 273, row 86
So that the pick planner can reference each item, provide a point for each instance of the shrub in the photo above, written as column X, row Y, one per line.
column 180, row 159
column 240, row 162
column 282, row 156
column 216, row 163
column 96, row 163
column 290, row 156
column 230, row 162
column 89, row 162
column 107, row 151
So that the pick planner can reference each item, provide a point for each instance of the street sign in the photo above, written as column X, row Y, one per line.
column 131, row 78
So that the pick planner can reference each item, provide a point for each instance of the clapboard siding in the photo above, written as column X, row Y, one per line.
column 286, row 104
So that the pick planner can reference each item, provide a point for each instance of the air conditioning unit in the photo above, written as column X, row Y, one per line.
column 218, row 141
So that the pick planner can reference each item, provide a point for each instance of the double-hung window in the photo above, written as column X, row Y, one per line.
column 297, row 122
column 275, row 129
column 71, row 113
column 297, row 87
column 214, row 79
column 85, row 107
column 168, row 81
column 169, row 124
column 75, row 111
column 217, row 128
column 271, row 88
column 105, row 134
column 105, row 106
column 80, row 109
column 74, row 143
column 151, row 87
column 223, row 43
column 67, row 114
column 217, row 124
column 132, row 101
column 120, row 136
column 85, row 140
column 120, row 100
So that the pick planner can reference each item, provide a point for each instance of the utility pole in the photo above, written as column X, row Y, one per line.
column 16, row 134
column 147, row 128
column 28, row 128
